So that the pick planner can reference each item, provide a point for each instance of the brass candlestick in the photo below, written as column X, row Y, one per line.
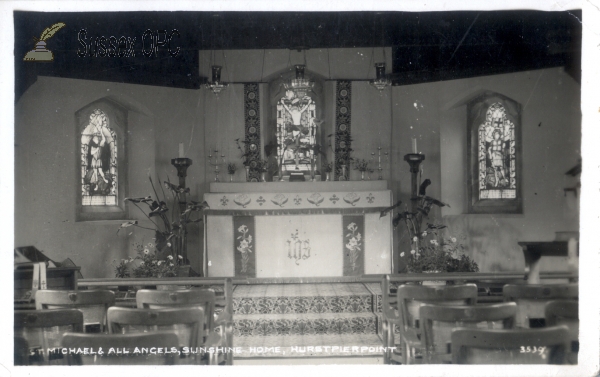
column 379, row 168
column 216, row 163
column 414, row 160
column 182, row 164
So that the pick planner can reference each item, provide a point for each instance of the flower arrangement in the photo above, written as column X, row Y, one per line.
column 231, row 168
column 430, row 251
column 439, row 254
column 262, row 166
column 153, row 264
column 122, row 269
column 361, row 165
column 169, row 234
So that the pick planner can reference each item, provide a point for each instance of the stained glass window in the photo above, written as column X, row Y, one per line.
column 99, row 173
column 494, row 158
column 296, row 131
column 497, row 155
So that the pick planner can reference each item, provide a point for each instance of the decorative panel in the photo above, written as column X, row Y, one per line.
column 343, row 119
column 244, row 241
column 353, row 230
column 494, row 141
column 252, row 128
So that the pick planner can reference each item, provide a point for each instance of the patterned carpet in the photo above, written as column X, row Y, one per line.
column 305, row 320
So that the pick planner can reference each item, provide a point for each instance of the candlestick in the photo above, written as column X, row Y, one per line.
column 216, row 162
column 181, row 154
column 414, row 145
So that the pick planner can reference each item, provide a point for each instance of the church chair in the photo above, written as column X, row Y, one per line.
column 565, row 312
column 156, row 348
column 93, row 304
column 401, row 310
column 438, row 322
column 515, row 346
column 42, row 331
column 531, row 300
column 204, row 298
column 186, row 322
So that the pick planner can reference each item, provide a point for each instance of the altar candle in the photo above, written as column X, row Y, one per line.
column 180, row 150
column 414, row 144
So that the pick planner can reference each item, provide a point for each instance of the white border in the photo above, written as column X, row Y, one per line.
column 590, row 223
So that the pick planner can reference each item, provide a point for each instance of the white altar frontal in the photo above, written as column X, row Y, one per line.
column 297, row 229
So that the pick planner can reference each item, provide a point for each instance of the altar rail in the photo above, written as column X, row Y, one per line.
column 452, row 276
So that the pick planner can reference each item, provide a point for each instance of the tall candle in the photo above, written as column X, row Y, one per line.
column 414, row 145
column 180, row 150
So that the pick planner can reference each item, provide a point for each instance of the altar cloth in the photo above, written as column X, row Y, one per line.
column 297, row 234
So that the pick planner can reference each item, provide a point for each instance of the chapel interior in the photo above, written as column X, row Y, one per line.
column 298, row 188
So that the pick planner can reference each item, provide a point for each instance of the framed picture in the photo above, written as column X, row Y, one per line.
column 494, row 154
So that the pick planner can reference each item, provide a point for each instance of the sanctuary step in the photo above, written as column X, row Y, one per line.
column 305, row 321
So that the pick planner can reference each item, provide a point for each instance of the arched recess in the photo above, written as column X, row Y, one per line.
column 494, row 154
column 101, row 163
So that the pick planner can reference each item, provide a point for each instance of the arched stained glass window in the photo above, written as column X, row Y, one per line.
column 99, row 167
column 495, row 154
column 101, row 129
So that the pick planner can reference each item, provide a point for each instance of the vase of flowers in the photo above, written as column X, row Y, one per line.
column 328, row 168
column 169, row 233
column 431, row 248
column 231, row 169
column 362, row 166
column 263, row 167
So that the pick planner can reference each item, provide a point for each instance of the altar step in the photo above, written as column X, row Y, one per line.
column 295, row 321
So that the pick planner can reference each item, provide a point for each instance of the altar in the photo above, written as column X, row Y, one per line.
column 297, row 229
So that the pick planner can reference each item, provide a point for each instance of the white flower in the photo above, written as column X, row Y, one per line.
column 141, row 263
column 150, row 244
column 168, row 244
column 433, row 242
column 424, row 234
column 242, row 229
column 453, row 239
column 125, row 261
column 170, row 257
column 180, row 257
column 159, row 262
column 146, row 251
column 171, row 264
column 130, row 259
column 402, row 254
column 415, row 239
column 413, row 251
